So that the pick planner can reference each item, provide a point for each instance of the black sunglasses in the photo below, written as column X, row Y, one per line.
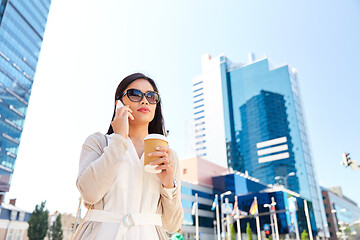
column 135, row 95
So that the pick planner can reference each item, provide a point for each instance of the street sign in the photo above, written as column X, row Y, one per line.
column 228, row 208
column 242, row 213
column 292, row 204
column 266, row 227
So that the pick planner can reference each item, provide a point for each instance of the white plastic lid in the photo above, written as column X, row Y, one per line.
column 156, row 136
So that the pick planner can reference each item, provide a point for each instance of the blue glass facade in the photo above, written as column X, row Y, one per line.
column 264, row 117
column 339, row 208
column 246, row 189
column 22, row 26
column 237, row 184
column 265, row 130
column 206, row 216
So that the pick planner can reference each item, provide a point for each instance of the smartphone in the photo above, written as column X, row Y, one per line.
column 119, row 104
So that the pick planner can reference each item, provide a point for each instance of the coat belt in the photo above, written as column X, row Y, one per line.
column 129, row 220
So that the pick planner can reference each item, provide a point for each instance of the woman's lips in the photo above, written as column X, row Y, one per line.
column 144, row 110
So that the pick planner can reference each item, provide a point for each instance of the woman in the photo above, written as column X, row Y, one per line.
column 129, row 203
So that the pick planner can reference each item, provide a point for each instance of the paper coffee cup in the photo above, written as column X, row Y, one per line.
column 151, row 142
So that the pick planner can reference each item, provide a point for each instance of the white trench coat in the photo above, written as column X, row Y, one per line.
column 129, row 202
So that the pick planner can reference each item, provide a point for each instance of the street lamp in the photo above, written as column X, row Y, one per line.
column 214, row 223
column 334, row 211
column 222, row 213
column 342, row 228
column 271, row 218
column 285, row 178
column 341, row 210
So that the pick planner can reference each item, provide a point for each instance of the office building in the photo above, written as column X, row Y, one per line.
column 247, row 187
column 22, row 26
column 207, row 179
column 340, row 211
column 249, row 117
column 196, row 175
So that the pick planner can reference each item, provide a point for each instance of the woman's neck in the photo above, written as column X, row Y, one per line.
column 138, row 133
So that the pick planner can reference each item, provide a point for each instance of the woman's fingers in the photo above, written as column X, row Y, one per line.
column 160, row 161
column 131, row 116
column 163, row 149
column 164, row 166
column 120, row 111
column 159, row 154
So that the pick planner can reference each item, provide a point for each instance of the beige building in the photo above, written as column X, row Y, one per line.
column 13, row 222
column 66, row 224
column 199, row 171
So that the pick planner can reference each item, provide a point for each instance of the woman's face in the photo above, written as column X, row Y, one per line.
column 143, row 111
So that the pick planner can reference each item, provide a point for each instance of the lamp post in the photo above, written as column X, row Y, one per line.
column 214, row 223
column 285, row 178
column 271, row 218
column 336, row 223
column 222, row 213
column 342, row 228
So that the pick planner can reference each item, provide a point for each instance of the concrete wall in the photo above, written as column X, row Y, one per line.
column 200, row 171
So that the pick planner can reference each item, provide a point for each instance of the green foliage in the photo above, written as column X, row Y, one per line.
column 304, row 235
column 348, row 230
column 248, row 232
column 38, row 223
column 56, row 232
column 232, row 232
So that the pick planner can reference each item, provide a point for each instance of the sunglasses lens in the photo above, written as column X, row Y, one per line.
column 134, row 95
column 152, row 97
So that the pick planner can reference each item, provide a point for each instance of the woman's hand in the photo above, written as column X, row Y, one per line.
column 120, row 124
column 166, row 164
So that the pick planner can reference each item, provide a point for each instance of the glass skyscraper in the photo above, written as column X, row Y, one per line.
column 22, row 26
column 249, row 117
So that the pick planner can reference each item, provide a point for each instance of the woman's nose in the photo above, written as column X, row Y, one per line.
column 144, row 101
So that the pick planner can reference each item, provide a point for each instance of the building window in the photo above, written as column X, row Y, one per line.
column 184, row 171
column 199, row 118
column 199, row 106
column 197, row 83
column 198, row 124
column 199, row 130
column 196, row 90
column 199, row 95
column 199, row 112
column 199, row 100
column 199, row 136
column 202, row 148
column 13, row 215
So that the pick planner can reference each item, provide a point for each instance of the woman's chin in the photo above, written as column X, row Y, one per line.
column 141, row 120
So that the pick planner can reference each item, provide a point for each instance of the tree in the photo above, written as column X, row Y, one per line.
column 56, row 232
column 38, row 222
column 248, row 231
column 232, row 232
column 304, row 235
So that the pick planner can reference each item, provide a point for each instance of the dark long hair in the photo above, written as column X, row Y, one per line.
column 157, row 124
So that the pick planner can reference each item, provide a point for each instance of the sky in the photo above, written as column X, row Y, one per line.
column 90, row 46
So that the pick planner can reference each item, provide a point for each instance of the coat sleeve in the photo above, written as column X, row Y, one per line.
column 172, row 211
column 98, row 166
